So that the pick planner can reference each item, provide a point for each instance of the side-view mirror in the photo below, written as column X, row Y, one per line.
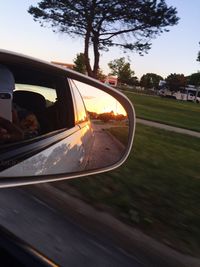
column 64, row 124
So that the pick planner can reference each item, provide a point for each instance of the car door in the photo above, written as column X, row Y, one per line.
column 63, row 148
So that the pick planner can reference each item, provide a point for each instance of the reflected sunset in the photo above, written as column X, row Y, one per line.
column 99, row 102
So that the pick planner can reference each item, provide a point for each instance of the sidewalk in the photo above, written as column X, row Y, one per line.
column 168, row 127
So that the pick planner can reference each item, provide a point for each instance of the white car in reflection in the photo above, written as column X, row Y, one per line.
column 65, row 139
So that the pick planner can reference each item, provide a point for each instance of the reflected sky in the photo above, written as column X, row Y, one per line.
column 99, row 101
column 95, row 99
column 48, row 93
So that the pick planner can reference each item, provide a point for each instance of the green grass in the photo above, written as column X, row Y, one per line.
column 156, row 190
column 178, row 113
column 121, row 133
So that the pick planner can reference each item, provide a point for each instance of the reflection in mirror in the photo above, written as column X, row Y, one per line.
column 109, row 122
column 89, row 133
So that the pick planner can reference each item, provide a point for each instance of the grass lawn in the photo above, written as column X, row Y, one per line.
column 156, row 190
column 178, row 113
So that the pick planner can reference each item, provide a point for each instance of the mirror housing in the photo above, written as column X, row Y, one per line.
column 9, row 166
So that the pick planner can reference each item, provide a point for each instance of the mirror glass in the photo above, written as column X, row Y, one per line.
column 61, row 137
column 109, row 123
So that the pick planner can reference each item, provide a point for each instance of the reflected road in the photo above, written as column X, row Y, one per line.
column 104, row 142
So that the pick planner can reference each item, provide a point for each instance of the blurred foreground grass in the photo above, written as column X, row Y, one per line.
column 156, row 190
column 173, row 112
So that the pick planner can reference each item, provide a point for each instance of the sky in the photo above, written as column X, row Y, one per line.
column 172, row 52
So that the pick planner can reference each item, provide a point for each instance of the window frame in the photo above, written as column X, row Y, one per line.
column 76, row 113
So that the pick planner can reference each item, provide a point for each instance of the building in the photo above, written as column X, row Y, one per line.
column 110, row 80
column 64, row 65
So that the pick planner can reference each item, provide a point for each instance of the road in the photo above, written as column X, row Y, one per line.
column 55, row 234
column 104, row 142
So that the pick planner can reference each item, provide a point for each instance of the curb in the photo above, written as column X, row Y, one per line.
column 119, row 144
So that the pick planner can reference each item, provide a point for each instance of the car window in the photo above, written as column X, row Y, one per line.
column 49, row 94
column 39, row 104
column 35, row 109
column 80, row 112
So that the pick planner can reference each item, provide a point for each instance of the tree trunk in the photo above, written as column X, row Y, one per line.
column 96, row 56
column 86, row 54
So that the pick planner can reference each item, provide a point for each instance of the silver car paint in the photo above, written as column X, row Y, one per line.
column 66, row 156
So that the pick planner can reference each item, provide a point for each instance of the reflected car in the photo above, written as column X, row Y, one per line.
column 65, row 135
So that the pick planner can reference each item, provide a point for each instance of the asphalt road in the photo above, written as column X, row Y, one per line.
column 56, row 235
column 106, row 149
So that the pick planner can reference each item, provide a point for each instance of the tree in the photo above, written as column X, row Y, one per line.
column 198, row 55
column 105, row 117
column 150, row 80
column 194, row 79
column 105, row 23
column 134, row 81
column 122, row 70
column 100, row 75
column 176, row 81
column 79, row 62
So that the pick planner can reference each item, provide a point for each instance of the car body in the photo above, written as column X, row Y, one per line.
column 66, row 135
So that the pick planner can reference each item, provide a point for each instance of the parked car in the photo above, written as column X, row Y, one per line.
column 183, row 95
